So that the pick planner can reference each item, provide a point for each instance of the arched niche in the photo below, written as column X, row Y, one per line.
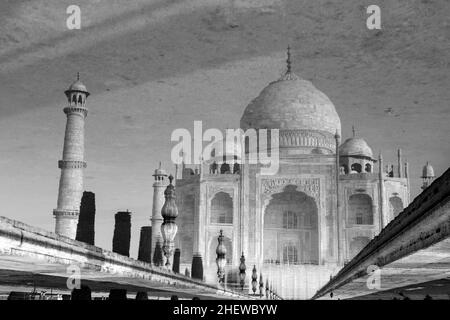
column 355, row 168
column 360, row 210
column 222, row 208
column 291, row 233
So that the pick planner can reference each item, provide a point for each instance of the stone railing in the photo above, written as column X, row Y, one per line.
column 19, row 239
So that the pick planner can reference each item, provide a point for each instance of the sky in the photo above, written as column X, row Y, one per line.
column 155, row 66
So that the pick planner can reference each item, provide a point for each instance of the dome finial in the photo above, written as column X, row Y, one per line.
column 288, row 61
column 77, row 86
column 289, row 75
column 337, row 135
column 353, row 131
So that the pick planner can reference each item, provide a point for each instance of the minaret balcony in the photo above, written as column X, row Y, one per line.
column 76, row 109
column 67, row 213
column 71, row 164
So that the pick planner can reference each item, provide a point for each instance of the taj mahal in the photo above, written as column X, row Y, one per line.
column 299, row 226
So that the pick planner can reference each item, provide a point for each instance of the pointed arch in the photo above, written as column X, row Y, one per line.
column 222, row 208
column 360, row 209
column 291, row 232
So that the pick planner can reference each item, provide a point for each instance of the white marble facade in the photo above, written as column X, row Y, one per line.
column 302, row 224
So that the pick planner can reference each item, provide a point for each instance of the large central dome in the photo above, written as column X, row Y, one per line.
column 292, row 104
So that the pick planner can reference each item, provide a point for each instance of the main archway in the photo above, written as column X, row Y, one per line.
column 291, row 234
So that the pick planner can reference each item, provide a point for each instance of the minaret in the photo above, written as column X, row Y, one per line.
column 407, row 181
column 381, row 190
column 337, row 138
column 399, row 163
column 72, row 163
column 159, row 186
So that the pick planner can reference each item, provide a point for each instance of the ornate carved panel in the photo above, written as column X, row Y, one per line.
column 310, row 186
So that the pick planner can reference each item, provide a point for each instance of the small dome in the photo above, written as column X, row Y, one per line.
column 355, row 147
column 160, row 172
column 292, row 104
column 77, row 86
column 428, row 171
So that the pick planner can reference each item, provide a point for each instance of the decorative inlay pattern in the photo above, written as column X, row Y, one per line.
column 310, row 186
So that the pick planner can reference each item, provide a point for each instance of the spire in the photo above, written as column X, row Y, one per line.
column 183, row 165
column 288, row 61
column 380, row 165
column 353, row 131
column 337, row 135
column 289, row 75
column 77, row 86
column 160, row 173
